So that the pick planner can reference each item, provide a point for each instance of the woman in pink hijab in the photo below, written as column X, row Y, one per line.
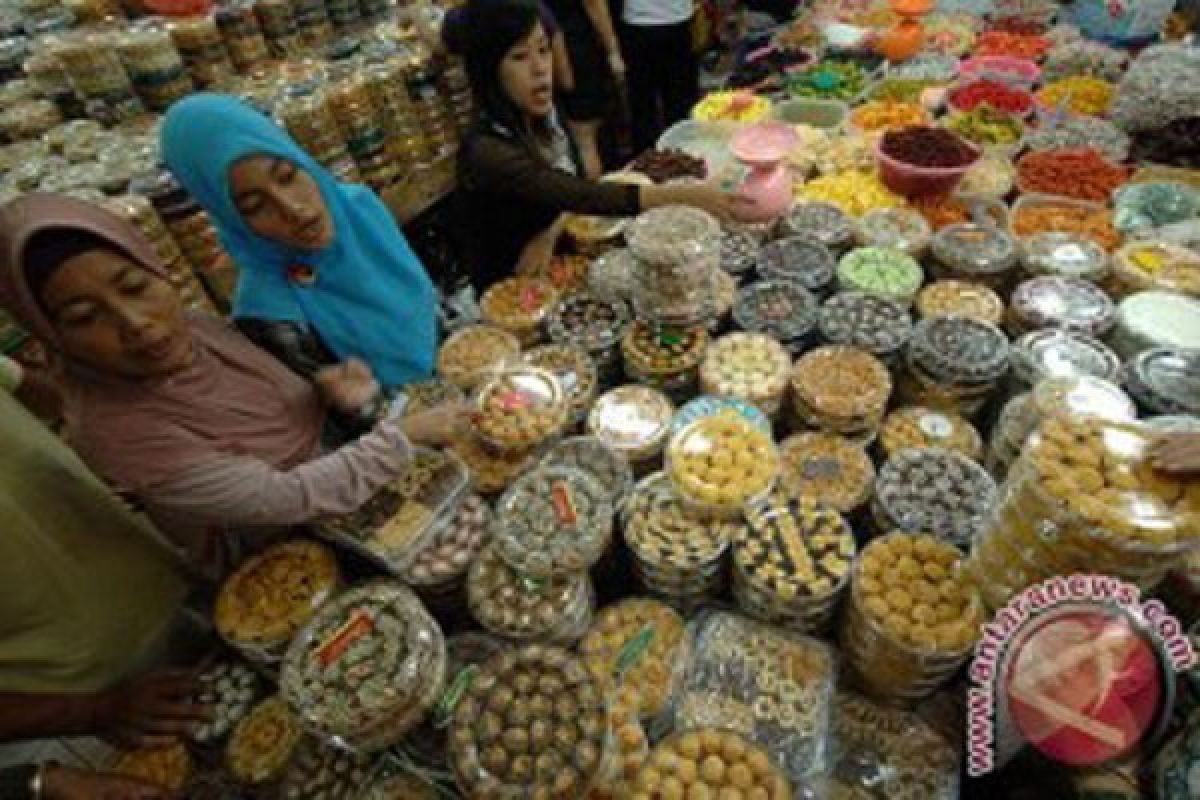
column 179, row 412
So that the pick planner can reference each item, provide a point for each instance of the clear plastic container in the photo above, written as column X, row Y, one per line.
column 955, row 298
column 319, row 770
column 521, row 407
column 517, row 607
column 273, row 594
column 936, row 491
column 397, row 523
column 798, row 259
column 611, row 275
column 154, row 65
column 230, row 689
column 519, row 305
column 881, row 271
column 440, row 565
column 1156, row 319
column 678, row 251
column 824, row 222
column 1039, row 213
column 596, row 324
column 367, row 667
column 707, row 406
column 469, row 356
column 895, row 228
column 1054, row 353
column 1060, row 514
column 575, row 371
column 553, row 521
column 841, row 390
column 772, row 686
column 555, row 739
column 680, row 759
column 972, row 252
column 825, row 115
column 830, row 470
column 913, row 617
column 1064, row 255
column 491, row 471
column 1148, row 265
column 664, row 358
column 1065, row 303
column 747, row 366
column 1164, row 380
column 632, row 420
column 783, row 310
column 262, row 745
column 199, row 42
column 592, row 456
column 719, row 464
column 880, row 326
column 793, row 563
column 916, row 427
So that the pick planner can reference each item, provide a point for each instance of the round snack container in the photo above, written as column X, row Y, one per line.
column 1064, row 303
column 261, row 748
column 230, row 689
column 826, row 469
column 894, row 228
column 610, row 276
column 533, row 723
column 575, row 371
column 319, row 770
column 706, row 406
column 747, row 366
column 783, row 310
column 953, row 364
column 1054, row 353
column 553, row 521
column 799, row 259
column 519, row 408
column 1066, row 255
column 935, row 491
column 665, row 358
column 913, row 181
column 1156, row 319
column 490, row 471
column 841, row 390
column 591, row 455
column 875, row 324
column 1164, row 380
column 366, row 669
column 519, row 305
column 954, row 298
column 1085, row 498
column 734, row 764
column 678, row 253
column 972, row 252
column 916, row 427
column 824, row 222
column 272, row 595
column 440, row 567
column 593, row 323
column 718, row 464
column 634, row 421
column 913, row 617
column 881, row 271
column 1144, row 265
column 519, row 608
column 792, row 563
column 468, row 356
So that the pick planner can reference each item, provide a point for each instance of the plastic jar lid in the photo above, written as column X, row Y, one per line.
column 1082, row 396
column 958, row 349
column 611, row 275
column 955, row 298
column 1159, row 318
column 1055, row 353
column 1165, row 380
column 739, row 251
column 1066, row 255
column 721, row 463
column 708, row 406
column 589, row 321
column 897, row 228
column 976, row 250
column 1064, row 303
column 876, row 324
column 881, row 271
column 783, row 309
column 803, row 259
column 553, row 521
column 824, row 222
column 935, row 491
column 633, row 420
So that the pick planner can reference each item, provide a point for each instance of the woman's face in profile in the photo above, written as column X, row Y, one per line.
column 526, row 73
column 280, row 201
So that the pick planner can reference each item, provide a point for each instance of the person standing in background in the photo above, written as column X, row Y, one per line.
column 662, row 68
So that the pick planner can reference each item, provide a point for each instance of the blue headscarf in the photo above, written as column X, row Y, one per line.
column 371, row 297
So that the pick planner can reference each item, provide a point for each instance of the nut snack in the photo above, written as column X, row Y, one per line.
column 718, row 464
column 519, row 305
column 678, row 252
column 953, row 298
column 230, row 689
column 953, row 364
column 632, row 420
column 533, row 724
column 441, row 565
column 934, row 491
column 663, row 358
column 1068, row 304
column 636, row 644
column 592, row 322
column 783, row 310
column 747, row 366
column 709, row 762
column 272, row 595
column 513, row 606
column 827, row 469
column 321, row 772
column 553, row 521
column 841, row 390
column 576, row 373
column 1084, row 498
column 773, row 686
column 367, row 668
column 521, row 407
column 875, row 324
column 469, row 355
column 262, row 745
column 792, row 562
column 913, row 616
column 916, row 427
column 168, row 767
column 590, row 455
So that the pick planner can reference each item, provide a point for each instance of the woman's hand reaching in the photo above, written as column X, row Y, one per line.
column 349, row 387
column 438, row 426
column 150, row 711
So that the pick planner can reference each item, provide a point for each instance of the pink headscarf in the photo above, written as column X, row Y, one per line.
column 232, row 399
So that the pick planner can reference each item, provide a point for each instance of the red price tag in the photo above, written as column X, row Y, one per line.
column 530, row 299
column 514, row 400
column 333, row 648
column 564, row 504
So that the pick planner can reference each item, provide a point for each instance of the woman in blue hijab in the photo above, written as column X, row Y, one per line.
column 325, row 275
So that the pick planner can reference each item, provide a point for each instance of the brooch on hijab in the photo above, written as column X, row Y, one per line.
column 302, row 274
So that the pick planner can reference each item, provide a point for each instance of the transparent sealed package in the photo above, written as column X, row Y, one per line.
column 663, row 358
column 426, row 395
column 972, row 252
column 321, row 770
column 748, row 366
column 824, row 222
column 440, row 566
column 880, row 326
column 521, row 608
column 772, row 686
column 1055, row 353
column 1143, row 265
column 632, row 420
column 897, row 228
column 469, row 355
column 932, row 490
column 553, row 521
column 709, row 406
column 1066, row 255
column 230, row 689
column 1164, row 380
column 881, row 271
column 592, row 322
column 520, row 408
column 784, row 310
column 718, row 464
column 953, row 364
column 367, row 668
column 678, row 251
column 576, row 373
column 591, row 455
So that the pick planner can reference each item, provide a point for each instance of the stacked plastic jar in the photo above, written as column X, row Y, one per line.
column 1067, row 304
column 827, row 469
column 824, row 222
column 841, row 390
column 242, row 33
column 678, row 254
column 50, row 79
column 719, row 464
column 407, row 142
column 421, row 78
column 508, row 604
column 1054, row 353
column 309, row 119
column 916, row 427
column 595, row 324
column 747, row 366
column 666, row 359
column 94, row 68
column 279, row 27
column 360, row 121
column 1164, row 380
column 154, row 64
column 895, row 228
column 953, row 364
column 979, row 253
column 28, row 119
column 1085, row 498
column 190, row 225
column 203, row 50
column 880, row 326
column 1066, row 255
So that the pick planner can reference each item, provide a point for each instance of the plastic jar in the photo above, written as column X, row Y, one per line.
column 824, row 222
column 595, row 324
column 678, row 251
column 739, row 251
column 361, row 123
column 1064, row 303
column 841, row 390
column 916, row 427
column 881, row 271
column 634, row 421
column 508, row 604
column 935, row 491
column 154, row 64
column 783, row 310
column 799, row 259
column 747, row 366
column 894, row 228
column 611, row 275
column 91, row 62
column 439, row 567
column 877, row 325
column 519, row 408
column 553, row 521
column 665, row 359
column 1164, row 380
column 1146, row 265
column 242, row 33
column 954, row 298
column 1055, row 353
column 303, row 110
column 28, row 120
column 719, row 464
column 953, row 364
column 827, row 469
column 263, row 744
column 279, row 27
column 575, row 371
column 971, row 252
column 468, row 356
column 1065, row 255
column 1156, row 319
column 589, row 454
column 913, row 617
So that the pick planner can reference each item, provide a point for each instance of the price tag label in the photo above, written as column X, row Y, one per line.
column 332, row 649
column 564, row 504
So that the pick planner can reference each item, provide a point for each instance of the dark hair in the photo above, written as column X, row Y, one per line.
column 482, row 34
column 50, row 248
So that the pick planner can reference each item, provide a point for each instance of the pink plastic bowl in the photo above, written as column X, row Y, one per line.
column 764, row 144
column 913, row 181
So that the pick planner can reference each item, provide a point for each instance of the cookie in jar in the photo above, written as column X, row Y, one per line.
column 230, row 689
column 520, row 408
column 841, row 389
column 470, row 355
column 749, row 366
column 919, row 427
column 519, row 305
column 261, row 747
column 511, row 605
column 443, row 563
column 718, row 464
column 710, row 762
column 827, row 469
column 576, row 373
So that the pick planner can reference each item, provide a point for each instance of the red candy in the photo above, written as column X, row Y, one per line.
column 997, row 95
